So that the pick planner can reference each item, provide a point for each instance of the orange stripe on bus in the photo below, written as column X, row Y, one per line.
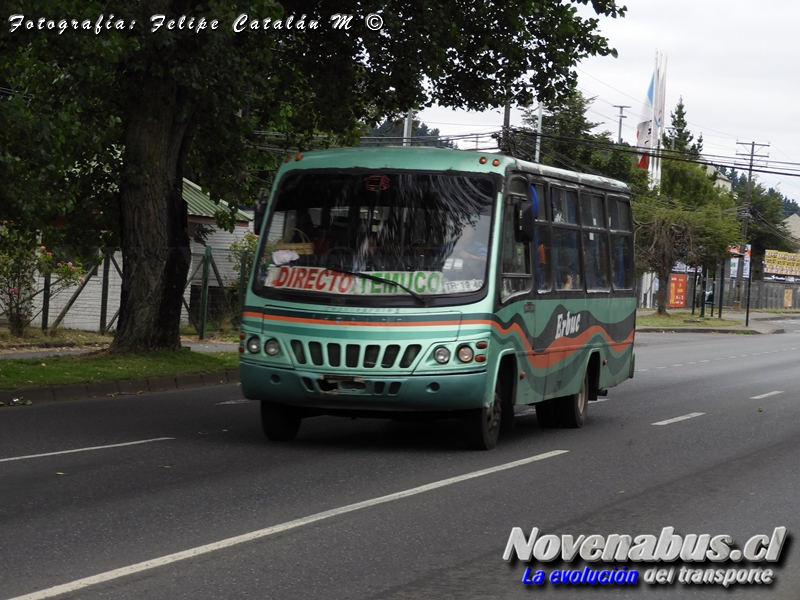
column 534, row 358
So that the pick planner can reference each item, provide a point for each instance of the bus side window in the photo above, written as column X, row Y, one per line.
column 595, row 259
column 516, row 255
column 541, row 258
column 619, row 215
column 622, row 261
column 565, row 257
column 563, row 206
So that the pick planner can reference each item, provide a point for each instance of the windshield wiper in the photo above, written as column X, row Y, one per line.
column 339, row 269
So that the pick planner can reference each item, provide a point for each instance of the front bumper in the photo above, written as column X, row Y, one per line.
column 411, row 393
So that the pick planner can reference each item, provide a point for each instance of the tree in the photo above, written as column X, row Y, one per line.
column 173, row 85
column 687, row 219
column 790, row 207
column 568, row 142
column 679, row 139
column 765, row 210
column 391, row 134
column 567, row 138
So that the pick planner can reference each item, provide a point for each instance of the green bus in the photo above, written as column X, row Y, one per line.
column 412, row 282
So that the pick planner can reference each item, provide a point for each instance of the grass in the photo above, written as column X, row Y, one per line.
column 682, row 319
column 61, row 338
column 100, row 366
column 75, row 338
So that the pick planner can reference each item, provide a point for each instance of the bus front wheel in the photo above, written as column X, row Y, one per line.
column 482, row 425
column 572, row 408
column 280, row 422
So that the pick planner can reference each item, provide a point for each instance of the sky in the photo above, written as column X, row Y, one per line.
column 734, row 63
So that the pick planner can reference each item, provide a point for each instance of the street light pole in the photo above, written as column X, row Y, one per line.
column 621, row 116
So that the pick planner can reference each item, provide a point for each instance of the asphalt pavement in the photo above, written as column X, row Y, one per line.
column 754, row 323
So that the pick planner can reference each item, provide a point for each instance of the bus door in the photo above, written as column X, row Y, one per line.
column 516, row 271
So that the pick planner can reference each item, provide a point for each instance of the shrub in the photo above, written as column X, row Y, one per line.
column 22, row 258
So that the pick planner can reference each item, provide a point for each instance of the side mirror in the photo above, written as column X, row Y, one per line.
column 524, row 221
column 259, row 210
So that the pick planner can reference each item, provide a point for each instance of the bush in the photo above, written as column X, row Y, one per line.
column 22, row 258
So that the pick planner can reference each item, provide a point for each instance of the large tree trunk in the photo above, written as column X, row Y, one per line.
column 663, row 289
column 155, row 243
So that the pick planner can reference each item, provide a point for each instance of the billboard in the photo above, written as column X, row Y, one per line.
column 781, row 263
column 735, row 261
column 677, row 291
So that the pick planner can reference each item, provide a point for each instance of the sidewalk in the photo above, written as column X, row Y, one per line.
column 759, row 323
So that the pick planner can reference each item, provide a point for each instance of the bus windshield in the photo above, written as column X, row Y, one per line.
column 424, row 234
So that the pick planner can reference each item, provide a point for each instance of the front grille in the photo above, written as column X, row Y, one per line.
column 355, row 356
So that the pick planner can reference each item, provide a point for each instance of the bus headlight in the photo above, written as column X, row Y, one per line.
column 272, row 347
column 465, row 354
column 254, row 345
column 441, row 355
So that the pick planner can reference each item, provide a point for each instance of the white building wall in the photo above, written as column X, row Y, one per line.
column 85, row 311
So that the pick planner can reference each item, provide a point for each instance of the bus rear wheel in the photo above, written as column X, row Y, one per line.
column 572, row 409
column 482, row 425
column 280, row 422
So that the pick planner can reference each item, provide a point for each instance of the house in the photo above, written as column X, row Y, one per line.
column 792, row 223
column 85, row 313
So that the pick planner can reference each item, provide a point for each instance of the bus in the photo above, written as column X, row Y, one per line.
column 414, row 282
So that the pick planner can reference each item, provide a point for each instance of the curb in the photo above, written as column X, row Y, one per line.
column 708, row 330
column 122, row 387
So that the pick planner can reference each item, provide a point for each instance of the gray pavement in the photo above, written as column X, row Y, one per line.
column 758, row 323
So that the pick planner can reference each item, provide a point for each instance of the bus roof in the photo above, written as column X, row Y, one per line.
column 437, row 159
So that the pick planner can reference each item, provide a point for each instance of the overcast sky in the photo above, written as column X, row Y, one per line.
column 734, row 62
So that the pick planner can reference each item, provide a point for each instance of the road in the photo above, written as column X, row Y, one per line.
column 370, row 509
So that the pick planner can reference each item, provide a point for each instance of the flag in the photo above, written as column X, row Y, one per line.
column 651, row 123
column 644, row 130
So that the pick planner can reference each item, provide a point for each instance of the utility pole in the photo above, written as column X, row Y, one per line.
column 737, row 298
column 621, row 116
column 407, row 129
column 539, row 115
column 505, row 141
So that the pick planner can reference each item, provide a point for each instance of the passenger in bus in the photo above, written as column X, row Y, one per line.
column 473, row 253
column 568, row 282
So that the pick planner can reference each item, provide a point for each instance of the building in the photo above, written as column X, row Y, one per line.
column 85, row 313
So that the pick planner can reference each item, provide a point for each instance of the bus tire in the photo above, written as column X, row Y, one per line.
column 482, row 425
column 572, row 409
column 547, row 414
column 280, row 422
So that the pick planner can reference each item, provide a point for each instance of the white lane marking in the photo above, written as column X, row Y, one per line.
column 678, row 365
column 239, row 401
column 767, row 395
column 703, row 361
column 85, row 449
column 676, row 419
column 254, row 535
